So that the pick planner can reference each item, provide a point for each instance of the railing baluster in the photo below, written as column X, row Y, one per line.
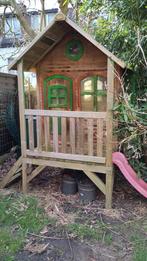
column 39, row 133
column 81, row 135
column 55, row 134
column 47, row 133
column 90, row 136
column 72, row 135
column 63, row 134
column 31, row 132
column 77, row 135
column 100, row 131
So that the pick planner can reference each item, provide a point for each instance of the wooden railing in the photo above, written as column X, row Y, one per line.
column 68, row 135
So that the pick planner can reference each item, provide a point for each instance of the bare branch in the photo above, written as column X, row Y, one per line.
column 21, row 16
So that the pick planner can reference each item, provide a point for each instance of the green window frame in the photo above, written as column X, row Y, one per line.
column 46, row 86
column 55, row 94
column 94, row 92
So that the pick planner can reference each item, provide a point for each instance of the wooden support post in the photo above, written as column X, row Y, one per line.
column 109, row 188
column 21, row 107
column 22, row 122
column 109, row 130
column 24, row 177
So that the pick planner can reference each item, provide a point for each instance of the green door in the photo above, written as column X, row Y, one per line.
column 58, row 94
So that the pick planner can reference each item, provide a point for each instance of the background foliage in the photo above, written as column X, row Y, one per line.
column 121, row 26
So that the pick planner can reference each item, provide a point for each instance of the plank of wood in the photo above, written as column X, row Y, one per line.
column 78, row 135
column 68, row 114
column 109, row 188
column 90, row 136
column 63, row 134
column 66, row 156
column 35, row 173
column 97, row 181
column 39, row 133
column 100, row 141
column 109, row 117
column 55, row 134
column 21, row 107
column 11, row 172
column 47, row 133
column 67, row 164
column 24, row 177
column 81, row 136
column 31, row 132
column 72, row 135
column 15, row 177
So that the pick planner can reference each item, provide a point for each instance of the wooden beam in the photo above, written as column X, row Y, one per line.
column 63, row 134
column 68, row 114
column 96, row 180
column 21, row 107
column 109, row 131
column 55, row 134
column 109, row 117
column 35, row 173
column 67, row 164
column 90, row 136
column 109, row 188
column 66, row 156
column 47, row 133
column 24, row 177
column 72, row 135
column 11, row 172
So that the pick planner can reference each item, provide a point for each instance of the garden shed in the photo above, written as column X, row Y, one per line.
column 77, row 82
column 8, row 103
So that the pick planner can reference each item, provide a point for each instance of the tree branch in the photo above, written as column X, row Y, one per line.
column 20, row 16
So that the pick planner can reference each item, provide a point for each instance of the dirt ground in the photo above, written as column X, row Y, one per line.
column 126, row 219
column 116, row 228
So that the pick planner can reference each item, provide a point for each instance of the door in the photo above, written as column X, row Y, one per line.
column 58, row 94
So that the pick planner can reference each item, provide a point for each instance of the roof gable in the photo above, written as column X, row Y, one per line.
column 45, row 41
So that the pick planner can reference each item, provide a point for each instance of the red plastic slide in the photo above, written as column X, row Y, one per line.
column 121, row 162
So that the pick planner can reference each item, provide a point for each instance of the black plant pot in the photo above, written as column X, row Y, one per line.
column 69, row 185
column 87, row 191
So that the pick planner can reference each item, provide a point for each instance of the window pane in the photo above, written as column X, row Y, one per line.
column 54, row 92
column 62, row 91
column 101, row 103
column 101, row 83
column 87, row 85
column 87, row 102
column 54, row 101
column 62, row 101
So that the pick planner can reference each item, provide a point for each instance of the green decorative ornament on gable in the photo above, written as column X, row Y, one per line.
column 74, row 49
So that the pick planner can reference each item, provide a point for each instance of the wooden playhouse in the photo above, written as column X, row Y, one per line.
column 72, row 127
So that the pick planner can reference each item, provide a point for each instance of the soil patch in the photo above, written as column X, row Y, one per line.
column 86, row 232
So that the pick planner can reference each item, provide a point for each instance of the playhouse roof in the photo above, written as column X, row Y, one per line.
column 45, row 41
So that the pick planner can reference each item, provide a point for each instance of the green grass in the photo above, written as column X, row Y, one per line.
column 140, row 251
column 19, row 215
column 139, row 247
column 85, row 231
